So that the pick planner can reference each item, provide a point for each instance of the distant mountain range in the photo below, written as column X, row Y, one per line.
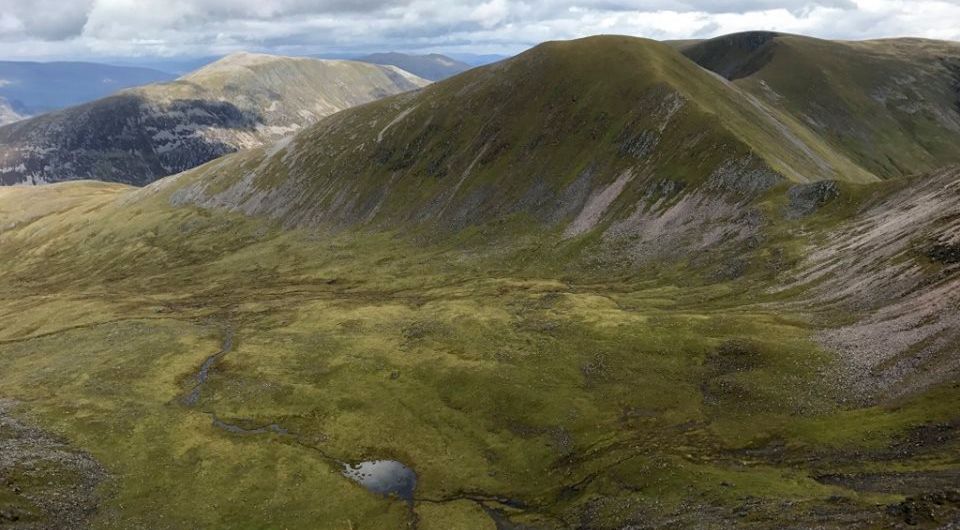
column 141, row 134
column 35, row 88
column 433, row 66
column 31, row 88
column 172, row 65
column 478, row 59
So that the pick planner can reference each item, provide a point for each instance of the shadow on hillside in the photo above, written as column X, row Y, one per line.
column 122, row 138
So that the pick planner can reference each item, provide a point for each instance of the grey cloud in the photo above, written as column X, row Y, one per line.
column 46, row 19
column 709, row 6
column 207, row 27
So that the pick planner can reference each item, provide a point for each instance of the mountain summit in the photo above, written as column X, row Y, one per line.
column 537, row 134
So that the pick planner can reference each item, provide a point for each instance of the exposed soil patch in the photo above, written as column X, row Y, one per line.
column 44, row 483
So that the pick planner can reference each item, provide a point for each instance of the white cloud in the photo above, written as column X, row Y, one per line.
column 91, row 28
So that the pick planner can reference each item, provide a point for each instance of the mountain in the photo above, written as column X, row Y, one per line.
column 536, row 134
column 7, row 113
column 141, row 134
column 595, row 285
column 478, row 59
column 891, row 105
column 42, row 87
column 433, row 66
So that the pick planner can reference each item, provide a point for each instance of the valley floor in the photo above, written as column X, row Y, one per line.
column 522, row 396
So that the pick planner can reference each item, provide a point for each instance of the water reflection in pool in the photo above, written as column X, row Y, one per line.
column 385, row 477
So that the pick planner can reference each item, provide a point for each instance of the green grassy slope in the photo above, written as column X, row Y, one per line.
column 889, row 105
column 553, row 397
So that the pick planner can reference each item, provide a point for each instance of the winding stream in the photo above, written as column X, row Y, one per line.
column 193, row 397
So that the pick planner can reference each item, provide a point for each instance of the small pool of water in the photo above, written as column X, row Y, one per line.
column 384, row 477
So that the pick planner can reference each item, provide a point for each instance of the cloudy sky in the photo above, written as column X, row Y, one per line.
column 65, row 29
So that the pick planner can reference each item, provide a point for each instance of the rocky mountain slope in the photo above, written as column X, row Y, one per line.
column 141, row 134
column 432, row 66
column 42, row 87
column 891, row 105
column 537, row 295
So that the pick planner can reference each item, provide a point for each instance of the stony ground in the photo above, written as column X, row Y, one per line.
column 44, row 482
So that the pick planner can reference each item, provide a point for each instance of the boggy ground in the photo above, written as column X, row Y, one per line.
column 525, row 392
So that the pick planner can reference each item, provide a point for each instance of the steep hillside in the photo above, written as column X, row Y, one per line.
column 141, row 134
column 538, row 136
column 42, row 87
column 433, row 66
column 891, row 106
column 594, row 286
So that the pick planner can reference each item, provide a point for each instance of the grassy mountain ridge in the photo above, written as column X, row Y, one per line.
column 141, row 134
column 534, row 135
column 889, row 105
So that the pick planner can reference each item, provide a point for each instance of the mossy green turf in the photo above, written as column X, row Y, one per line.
column 889, row 105
column 590, row 399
